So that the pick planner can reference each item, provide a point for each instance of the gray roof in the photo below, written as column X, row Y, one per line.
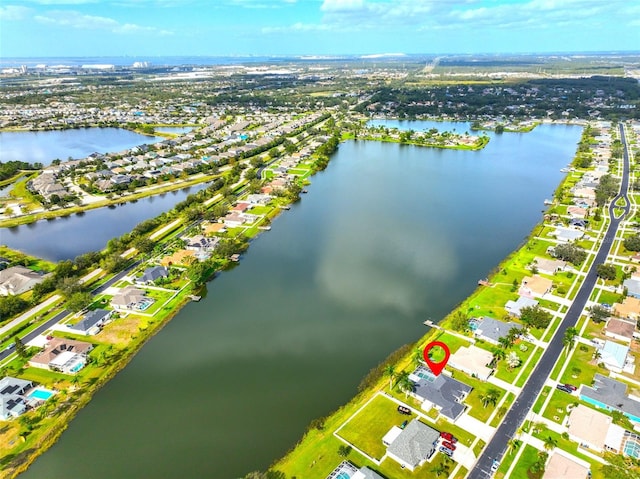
column 633, row 287
column 611, row 393
column 493, row 329
column 153, row 273
column 415, row 443
column 369, row 474
column 443, row 391
column 12, row 402
column 515, row 307
column 91, row 319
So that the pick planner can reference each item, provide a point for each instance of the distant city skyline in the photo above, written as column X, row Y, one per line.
column 43, row 28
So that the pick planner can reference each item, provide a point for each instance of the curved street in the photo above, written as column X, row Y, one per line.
column 514, row 418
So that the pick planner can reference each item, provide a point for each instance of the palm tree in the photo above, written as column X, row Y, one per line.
column 440, row 468
column 490, row 397
column 568, row 338
column 417, row 357
column 390, row 371
column 404, row 383
column 550, row 443
column 513, row 445
column 498, row 354
column 504, row 342
column 597, row 355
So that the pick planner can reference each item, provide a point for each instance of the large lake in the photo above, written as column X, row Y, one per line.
column 46, row 146
column 387, row 237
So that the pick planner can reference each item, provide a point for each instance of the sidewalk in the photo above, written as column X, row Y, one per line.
column 24, row 316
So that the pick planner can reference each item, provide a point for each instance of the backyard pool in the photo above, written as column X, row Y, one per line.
column 41, row 394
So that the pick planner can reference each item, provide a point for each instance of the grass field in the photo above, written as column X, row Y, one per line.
column 368, row 427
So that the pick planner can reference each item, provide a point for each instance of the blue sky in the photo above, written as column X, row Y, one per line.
column 314, row 27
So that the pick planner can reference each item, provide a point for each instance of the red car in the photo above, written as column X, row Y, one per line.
column 447, row 436
column 448, row 445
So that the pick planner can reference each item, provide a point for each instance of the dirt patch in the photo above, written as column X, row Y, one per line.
column 119, row 332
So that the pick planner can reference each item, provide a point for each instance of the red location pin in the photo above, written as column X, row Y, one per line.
column 436, row 368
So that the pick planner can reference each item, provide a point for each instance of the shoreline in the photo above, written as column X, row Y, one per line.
column 63, row 421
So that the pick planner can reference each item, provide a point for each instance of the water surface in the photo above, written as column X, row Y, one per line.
column 46, row 146
column 388, row 236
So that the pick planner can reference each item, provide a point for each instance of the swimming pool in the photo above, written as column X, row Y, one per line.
column 77, row 367
column 343, row 475
column 40, row 394
column 142, row 305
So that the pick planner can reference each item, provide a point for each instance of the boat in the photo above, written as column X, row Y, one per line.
column 548, row 202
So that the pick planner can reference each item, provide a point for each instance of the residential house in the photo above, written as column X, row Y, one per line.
column 473, row 361
column 492, row 330
column 577, row 211
column 535, row 286
column 212, row 228
column 92, row 322
column 64, row 355
column 202, row 243
column 610, row 394
column 241, row 207
column 18, row 279
column 13, row 397
column 620, row 329
column 182, row 257
column 614, row 356
column 442, row 392
column 152, row 274
column 414, row 445
column 593, row 430
column 258, row 199
column 514, row 308
column 131, row 298
column 567, row 234
column 629, row 308
column 549, row 266
column 560, row 466
column 633, row 287
column 234, row 219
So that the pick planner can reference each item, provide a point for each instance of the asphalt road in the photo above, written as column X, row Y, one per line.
column 63, row 314
column 520, row 408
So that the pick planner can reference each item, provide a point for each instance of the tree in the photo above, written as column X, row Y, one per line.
column 441, row 468
column 569, row 336
column 550, row 443
column 513, row 445
column 78, row 301
column 513, row 361
column 344, row 451
column 390, row 372
column 144, row 245
column 632, row 243
column 21, row 349
column 498, row 354
column 490, row 397
column 598, row 313
column 606, row 271
column 114, row 262
column 68, row 286
column 504, row 342
column 460, row 321
column 535, row 317
column 404, row 383
column 570, row 252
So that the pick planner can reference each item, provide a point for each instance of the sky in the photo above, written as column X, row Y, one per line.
column 44, row 28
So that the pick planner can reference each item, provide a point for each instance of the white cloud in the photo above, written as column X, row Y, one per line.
column 73, row 19
column 14, row 12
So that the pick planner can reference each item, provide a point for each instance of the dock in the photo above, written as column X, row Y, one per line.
column 195, row 298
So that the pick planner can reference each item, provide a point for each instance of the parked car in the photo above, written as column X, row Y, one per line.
column 404, row 410
column 404, row 424
column 448, row 445
column 571, row 386
column 446, row 451
column 447, row 436
column 564, row 388
column 495, row 465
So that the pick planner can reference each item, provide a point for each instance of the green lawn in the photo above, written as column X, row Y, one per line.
column 453, row 342
column 502, row 410
column 556, row 411
column 463, row 436
column 477, row 409
column 529, row 456
column 581, row 369
column 529, row 367
column 368, row 427
column 507, row 374
column 542, row 397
